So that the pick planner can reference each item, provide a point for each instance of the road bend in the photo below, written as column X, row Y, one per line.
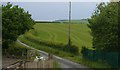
column 64, row 63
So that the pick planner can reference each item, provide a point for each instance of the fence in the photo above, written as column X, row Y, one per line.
column 39, row 64
column 112, row 58
column 25, row 65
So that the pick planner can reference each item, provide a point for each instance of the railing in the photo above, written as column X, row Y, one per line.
column 31, row 64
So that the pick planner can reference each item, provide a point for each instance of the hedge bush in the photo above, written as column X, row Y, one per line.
column 64, row 47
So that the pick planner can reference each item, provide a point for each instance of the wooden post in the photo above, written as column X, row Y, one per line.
column 69, row 24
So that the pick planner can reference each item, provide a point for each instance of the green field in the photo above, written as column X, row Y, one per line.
column 58, row 33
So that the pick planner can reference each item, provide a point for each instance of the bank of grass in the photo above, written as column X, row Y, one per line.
column 75, row 58
column 58, row 34
column 44, row 48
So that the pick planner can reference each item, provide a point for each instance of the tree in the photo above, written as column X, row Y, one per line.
column 15, row 21
column 104, row 26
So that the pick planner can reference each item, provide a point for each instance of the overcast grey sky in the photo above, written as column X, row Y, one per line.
column 58, row 10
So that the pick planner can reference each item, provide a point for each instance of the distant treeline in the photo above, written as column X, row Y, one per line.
column 59, row 22
column 46, row 22
column 82, row 21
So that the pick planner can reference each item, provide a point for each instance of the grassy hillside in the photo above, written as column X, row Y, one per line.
column 58, row 33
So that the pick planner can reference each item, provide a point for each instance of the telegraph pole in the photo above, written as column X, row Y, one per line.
column 69, row 41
